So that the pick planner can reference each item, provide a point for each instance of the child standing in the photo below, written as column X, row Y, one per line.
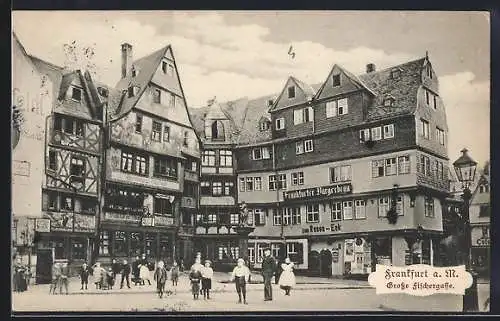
column 287, row 277
column 206, row 279
column 195, row 277
column 84, row 275
column 174, row 274
column 160, row 277
column 241, row 275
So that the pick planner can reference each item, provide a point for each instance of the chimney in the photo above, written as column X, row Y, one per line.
column 126, row 59
column 370, row 68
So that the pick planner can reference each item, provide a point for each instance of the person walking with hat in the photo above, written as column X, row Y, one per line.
column 207, row 274
column 287, row 277
column 160, row 277
column 268, row 270
column 241, row 275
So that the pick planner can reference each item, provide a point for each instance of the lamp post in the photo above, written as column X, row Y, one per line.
column 465, row 168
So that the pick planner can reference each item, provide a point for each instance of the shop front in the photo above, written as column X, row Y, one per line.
column 126, row 236
column 481, row 249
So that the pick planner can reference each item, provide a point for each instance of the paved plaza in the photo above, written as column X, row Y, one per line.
column 309, row 294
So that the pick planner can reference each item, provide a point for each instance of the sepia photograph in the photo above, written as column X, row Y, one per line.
column 250, row 161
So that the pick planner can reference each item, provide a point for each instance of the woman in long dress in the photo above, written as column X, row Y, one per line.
column 144, row 274
column 287, row 277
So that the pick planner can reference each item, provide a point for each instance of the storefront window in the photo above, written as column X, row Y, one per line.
column 120, row 245
column 251, row 253
column 136, row 245
column 59, row 246
column 151, row 245
column 78, row 249
column 426, row 252
column 165, row 247
column 383, row 250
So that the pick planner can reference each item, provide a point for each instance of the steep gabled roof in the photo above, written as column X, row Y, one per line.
column 147, row 66
column 358, row 83
column 304, row 94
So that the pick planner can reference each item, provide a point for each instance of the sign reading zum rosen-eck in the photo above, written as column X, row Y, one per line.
column 338, row 189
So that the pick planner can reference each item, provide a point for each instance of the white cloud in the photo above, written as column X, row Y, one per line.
column 467, row 106
column 228, row 61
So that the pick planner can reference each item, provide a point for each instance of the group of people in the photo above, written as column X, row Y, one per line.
column 21, row 275
column 60, row 275
column 203, row 274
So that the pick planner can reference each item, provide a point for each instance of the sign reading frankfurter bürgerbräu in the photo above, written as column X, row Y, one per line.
column 323, row 191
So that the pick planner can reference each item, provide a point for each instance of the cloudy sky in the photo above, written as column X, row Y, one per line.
column 237, row 54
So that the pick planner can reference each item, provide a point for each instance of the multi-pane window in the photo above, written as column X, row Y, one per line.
column 277, row 216
column 439, row 170
column 429, row 207
column 272, row 182
column 440, row 136
column 138, row 123
column 384, row 204
column 216, row 188
column 399, row 205
column 378, row 167
column 185, row 141
column 360, row 210
column 390, row 166
column 287, row 217
column 312, row 213
column 296, row 215
column 484, row 188
column 228, row 188
column 166, row 133
column 208, row 158
column 337, row 107
column 291, row 92
column 364, row 135
column 425, row 165
column 78, row 250
column 404, row 164
column 280, row 123
column 235, row 219
column 257, row 183
column 134, row 163
column 424, row 127
column 141, row 165
column 299, row 147
column 298, row 178
column 68, row 203
column 251, row 254
column 172, row 100
column 336, row 211
column 165, row 167
column 389, row 131
column 156, row 131
column 226, row 158
column 376, row 133
column 347, row 210
column 242, row 184
column 336, row 80
column 264, row 125
column 259, row 217
column 340, row 174
column 308, row 146
column 249, row 184
column 162, row 206
column 205, row 188
column 303, row 115
column 76, row 93
column 77, row 167
column 282, row 181
column 275, row 249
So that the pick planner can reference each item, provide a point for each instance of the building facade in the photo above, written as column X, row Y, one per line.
column 72, row 181
column 31, row 103
column 480, row 218
column 348, row 173
column 151, row 157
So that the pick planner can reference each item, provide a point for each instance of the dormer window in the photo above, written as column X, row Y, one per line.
column 186, row 138
column 429, row 71
column 389, row 101
column 395, row 73
column 133, row 91
column 134, row 71
column 264, row 125
column 336, row 80
column 156, row 96
column 291, row 92
column 270, row 102
column 167, row 68
column 76, row 93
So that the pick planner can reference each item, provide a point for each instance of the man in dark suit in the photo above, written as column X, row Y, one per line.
column 125, row 269
column 268, row 270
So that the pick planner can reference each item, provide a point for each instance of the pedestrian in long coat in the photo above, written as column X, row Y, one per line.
column 135, row 271
column 56, row 274
column 115, row 267
column 287, row 277
column 268, row 270
column 144, row 274
column 99, row 274
column 160, row 277
column 20, row 283
column 84, row 275
column 125, row 271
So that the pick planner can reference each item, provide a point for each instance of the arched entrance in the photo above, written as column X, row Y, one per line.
column 314, row 263
column 325, row 258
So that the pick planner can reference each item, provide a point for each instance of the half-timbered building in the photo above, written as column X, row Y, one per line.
column 71, row 185
column 152, row 162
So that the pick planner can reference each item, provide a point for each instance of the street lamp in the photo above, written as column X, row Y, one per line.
column 465, row 168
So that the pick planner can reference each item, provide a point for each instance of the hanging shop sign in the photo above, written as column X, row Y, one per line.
column 42, row 225
column 322, row 229
column 164, row 220
column 84, row 223
column 324, row 191
column 60, row 221
column 483, row 241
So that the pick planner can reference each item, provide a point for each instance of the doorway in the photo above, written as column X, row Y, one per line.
column 44, row 266
column 325, row 263
column 314, row 263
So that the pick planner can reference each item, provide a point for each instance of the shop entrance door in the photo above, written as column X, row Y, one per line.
column 325, row 264
column 314, row 262
column 44, row 266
